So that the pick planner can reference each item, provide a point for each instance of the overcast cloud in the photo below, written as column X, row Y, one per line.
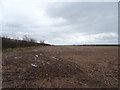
column 61, row 22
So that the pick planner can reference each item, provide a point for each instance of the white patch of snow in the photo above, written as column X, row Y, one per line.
column 54, row 57
column 35, row 50
column 18, row 57
column 36, row 56
column 33, row 65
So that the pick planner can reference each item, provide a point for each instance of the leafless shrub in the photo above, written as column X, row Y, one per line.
column 26, row 42
column 42, row 41
column 27, row 38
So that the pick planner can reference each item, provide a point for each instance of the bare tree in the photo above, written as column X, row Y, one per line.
column 26, row 38
column 42, row 41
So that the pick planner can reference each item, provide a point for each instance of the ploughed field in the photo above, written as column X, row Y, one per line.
column 61, row 67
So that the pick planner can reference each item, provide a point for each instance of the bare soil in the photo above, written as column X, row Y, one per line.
column 61, row 67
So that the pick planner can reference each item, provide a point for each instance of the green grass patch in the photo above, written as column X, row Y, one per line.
column 20, row 48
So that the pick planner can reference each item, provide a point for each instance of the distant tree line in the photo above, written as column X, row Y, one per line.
column 25, row 42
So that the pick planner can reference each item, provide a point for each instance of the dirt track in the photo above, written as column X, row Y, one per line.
column 61, row 67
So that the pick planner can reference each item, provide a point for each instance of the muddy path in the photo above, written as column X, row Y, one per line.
column 61, row 67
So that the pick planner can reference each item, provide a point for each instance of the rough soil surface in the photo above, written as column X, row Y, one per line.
column 61, row 67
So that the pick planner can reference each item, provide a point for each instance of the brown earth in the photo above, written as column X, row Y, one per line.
column 61, row 67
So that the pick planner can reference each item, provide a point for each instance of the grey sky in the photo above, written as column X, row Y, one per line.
column 61, row 22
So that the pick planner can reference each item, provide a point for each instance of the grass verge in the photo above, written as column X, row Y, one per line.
column 20, row 48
